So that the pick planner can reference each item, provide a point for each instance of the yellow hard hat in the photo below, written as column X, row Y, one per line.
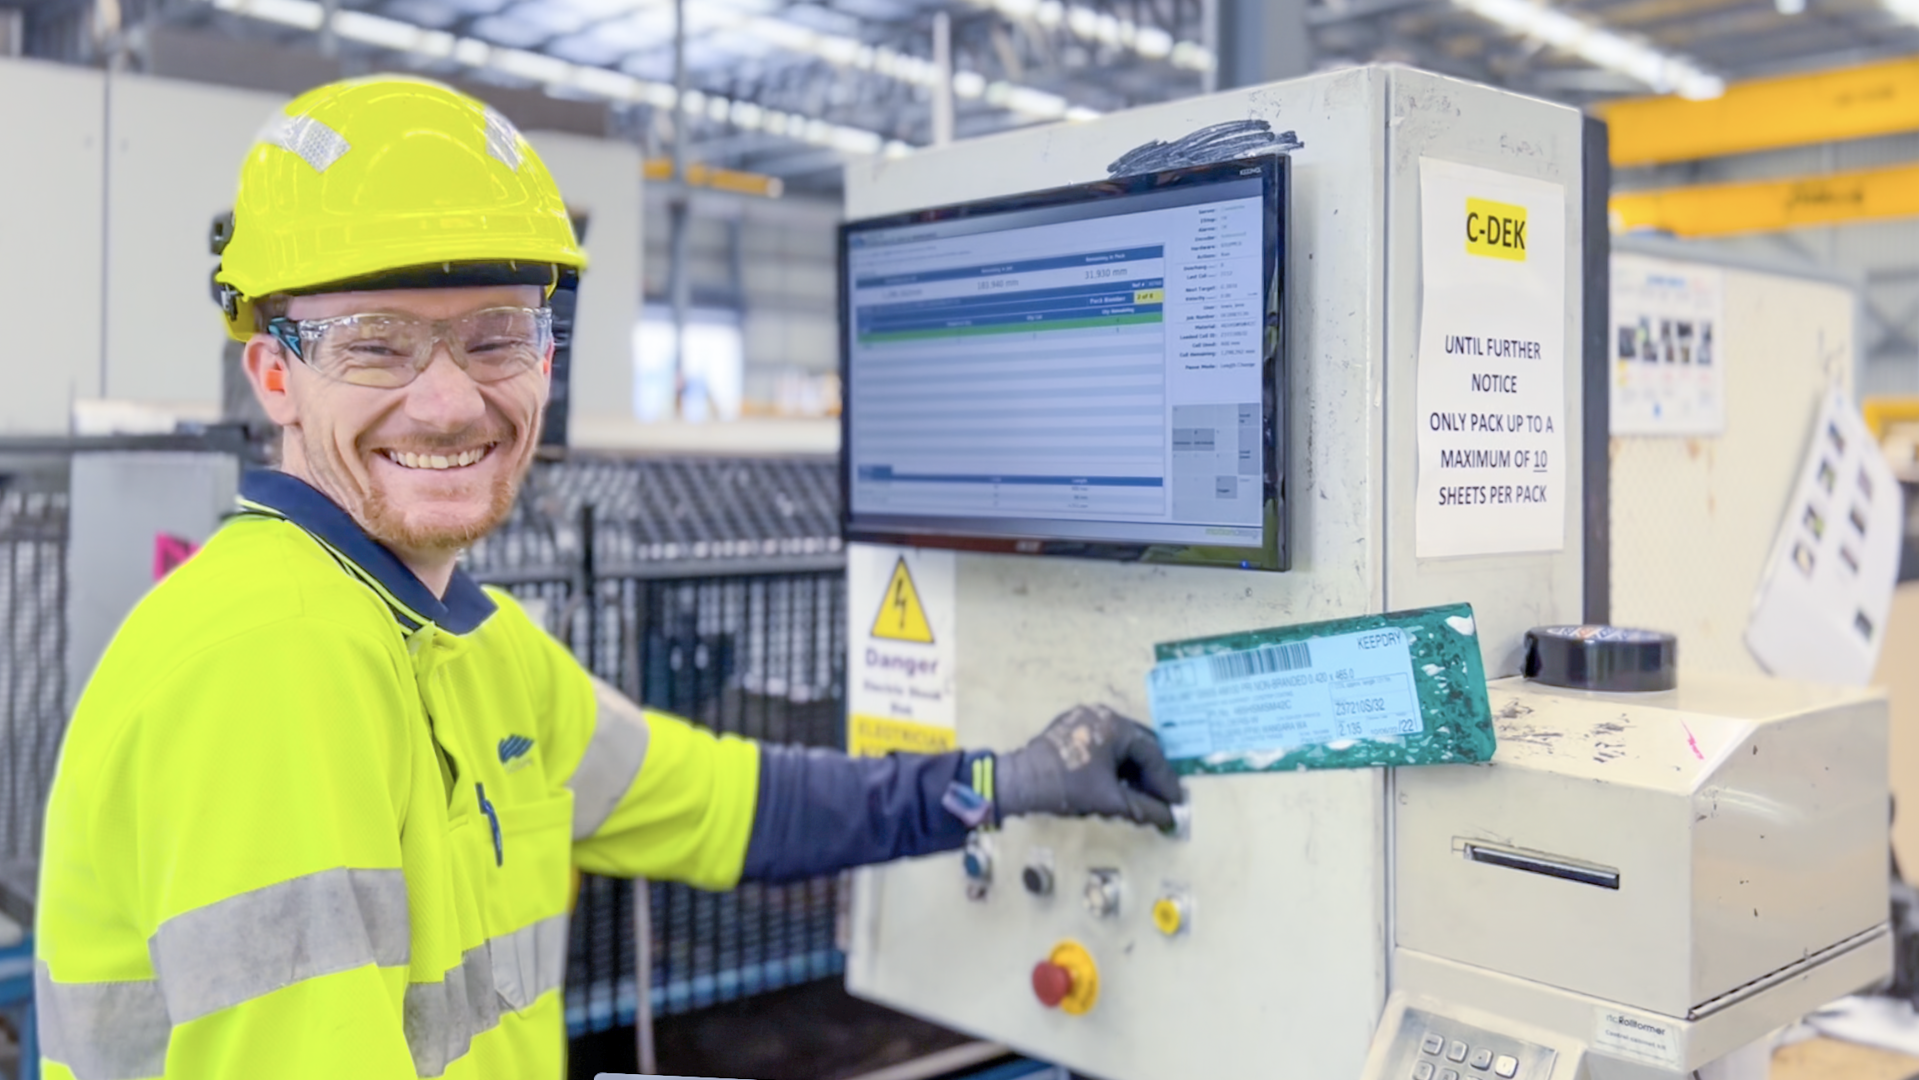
column 389, row 182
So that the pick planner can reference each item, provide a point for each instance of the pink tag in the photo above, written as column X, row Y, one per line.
column 169, row 552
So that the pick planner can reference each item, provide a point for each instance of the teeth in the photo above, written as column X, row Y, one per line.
column 436, row 461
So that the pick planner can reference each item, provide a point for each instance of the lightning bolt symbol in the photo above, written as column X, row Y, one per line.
column 899, row 601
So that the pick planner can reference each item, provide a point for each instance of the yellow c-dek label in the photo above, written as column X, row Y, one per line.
column 1495, row 230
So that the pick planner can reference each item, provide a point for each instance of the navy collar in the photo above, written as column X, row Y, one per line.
column 276, row 494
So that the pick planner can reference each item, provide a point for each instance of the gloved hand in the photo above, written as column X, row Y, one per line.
column 1089, row 760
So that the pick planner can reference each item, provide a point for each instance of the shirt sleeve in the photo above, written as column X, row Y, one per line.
column 820, row 811
column 245, row 824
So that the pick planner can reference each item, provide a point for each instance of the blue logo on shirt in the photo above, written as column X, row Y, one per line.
column 514, row 746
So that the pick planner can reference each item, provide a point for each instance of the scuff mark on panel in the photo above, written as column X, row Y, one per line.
column 1692, row 741
column 1540, row 737
column 1216, row 142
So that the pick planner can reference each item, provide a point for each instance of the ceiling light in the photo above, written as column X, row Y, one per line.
column 392, row 34
column 849, row 52
column 301, row 13
column 1091, row 25
column 1664, row 72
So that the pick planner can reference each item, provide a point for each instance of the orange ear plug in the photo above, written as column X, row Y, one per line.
column 275, row 379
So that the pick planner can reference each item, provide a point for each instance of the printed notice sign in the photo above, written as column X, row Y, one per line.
column 1492, row 352
column 1278, row 696
column 1821, row 612
column 1668, row 345
column 900, row 675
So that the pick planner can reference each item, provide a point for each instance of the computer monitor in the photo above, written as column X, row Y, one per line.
column 1095, row 370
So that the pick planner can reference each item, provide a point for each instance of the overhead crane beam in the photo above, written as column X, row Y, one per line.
column 1772, row 205
column 1768, row 114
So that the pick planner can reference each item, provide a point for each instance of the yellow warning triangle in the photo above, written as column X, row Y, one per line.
column 900, row 616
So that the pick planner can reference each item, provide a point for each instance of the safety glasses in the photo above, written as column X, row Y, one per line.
column 390, row 351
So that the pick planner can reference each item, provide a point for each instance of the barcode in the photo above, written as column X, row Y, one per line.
column 1265, row 660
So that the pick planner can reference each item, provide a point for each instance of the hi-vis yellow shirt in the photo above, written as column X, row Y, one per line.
column 311, row 821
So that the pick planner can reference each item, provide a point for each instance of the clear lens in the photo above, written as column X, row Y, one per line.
column 391, row 350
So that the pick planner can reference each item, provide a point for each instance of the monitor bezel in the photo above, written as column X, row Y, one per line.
column 1274, row 551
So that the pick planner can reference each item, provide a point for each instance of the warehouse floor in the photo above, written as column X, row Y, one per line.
column 1829, row 1059
column 811, row 1032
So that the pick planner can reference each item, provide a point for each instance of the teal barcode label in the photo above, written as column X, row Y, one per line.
column 1402, row 688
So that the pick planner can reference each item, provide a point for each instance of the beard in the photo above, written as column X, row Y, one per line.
column 387, row 520
column 388, row 523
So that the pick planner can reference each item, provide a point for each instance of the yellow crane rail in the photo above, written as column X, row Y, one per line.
column 1768, row 114
column 1772, row 205
column 744, row 183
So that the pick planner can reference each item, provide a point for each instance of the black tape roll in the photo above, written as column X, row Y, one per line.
column 1610, row 659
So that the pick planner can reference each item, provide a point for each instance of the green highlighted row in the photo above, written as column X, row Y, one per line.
column 1012, row 328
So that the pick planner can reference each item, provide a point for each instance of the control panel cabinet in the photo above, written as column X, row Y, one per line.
column 1258, row 945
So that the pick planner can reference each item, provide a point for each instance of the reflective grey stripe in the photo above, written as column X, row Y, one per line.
column 102, row 1030
column 317, row 144
column 443, row 1017
column 613, row 758
column 508, row 973
column 529, row 962
column 246, row 946
column 218, row 956
column 502, row 140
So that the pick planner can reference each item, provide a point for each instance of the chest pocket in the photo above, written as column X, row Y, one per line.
column 524, row 890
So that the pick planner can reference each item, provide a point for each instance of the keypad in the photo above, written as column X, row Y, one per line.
column 1433, row 1044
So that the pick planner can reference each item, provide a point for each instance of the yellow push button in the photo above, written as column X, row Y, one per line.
column 1169, row 915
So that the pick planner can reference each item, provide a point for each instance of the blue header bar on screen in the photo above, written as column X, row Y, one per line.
column 1057, row 263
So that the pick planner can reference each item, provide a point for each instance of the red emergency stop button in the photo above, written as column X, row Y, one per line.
column 1051, row 983
column 1067, row 979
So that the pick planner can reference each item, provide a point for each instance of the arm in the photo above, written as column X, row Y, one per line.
column 656, row 797
column 820, row 811
column 243, row 825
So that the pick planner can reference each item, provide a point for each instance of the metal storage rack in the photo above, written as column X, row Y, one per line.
column 33, row 579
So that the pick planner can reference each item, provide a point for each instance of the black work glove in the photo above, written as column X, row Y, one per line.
column 1089, row 760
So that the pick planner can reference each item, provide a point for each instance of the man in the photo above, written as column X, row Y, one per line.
column 317, row 810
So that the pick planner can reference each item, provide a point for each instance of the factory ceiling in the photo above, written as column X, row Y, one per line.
column 795, row 89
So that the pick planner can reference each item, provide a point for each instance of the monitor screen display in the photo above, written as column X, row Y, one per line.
column 1094, row 370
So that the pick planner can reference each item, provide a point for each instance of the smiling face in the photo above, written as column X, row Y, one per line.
column 427, row 468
